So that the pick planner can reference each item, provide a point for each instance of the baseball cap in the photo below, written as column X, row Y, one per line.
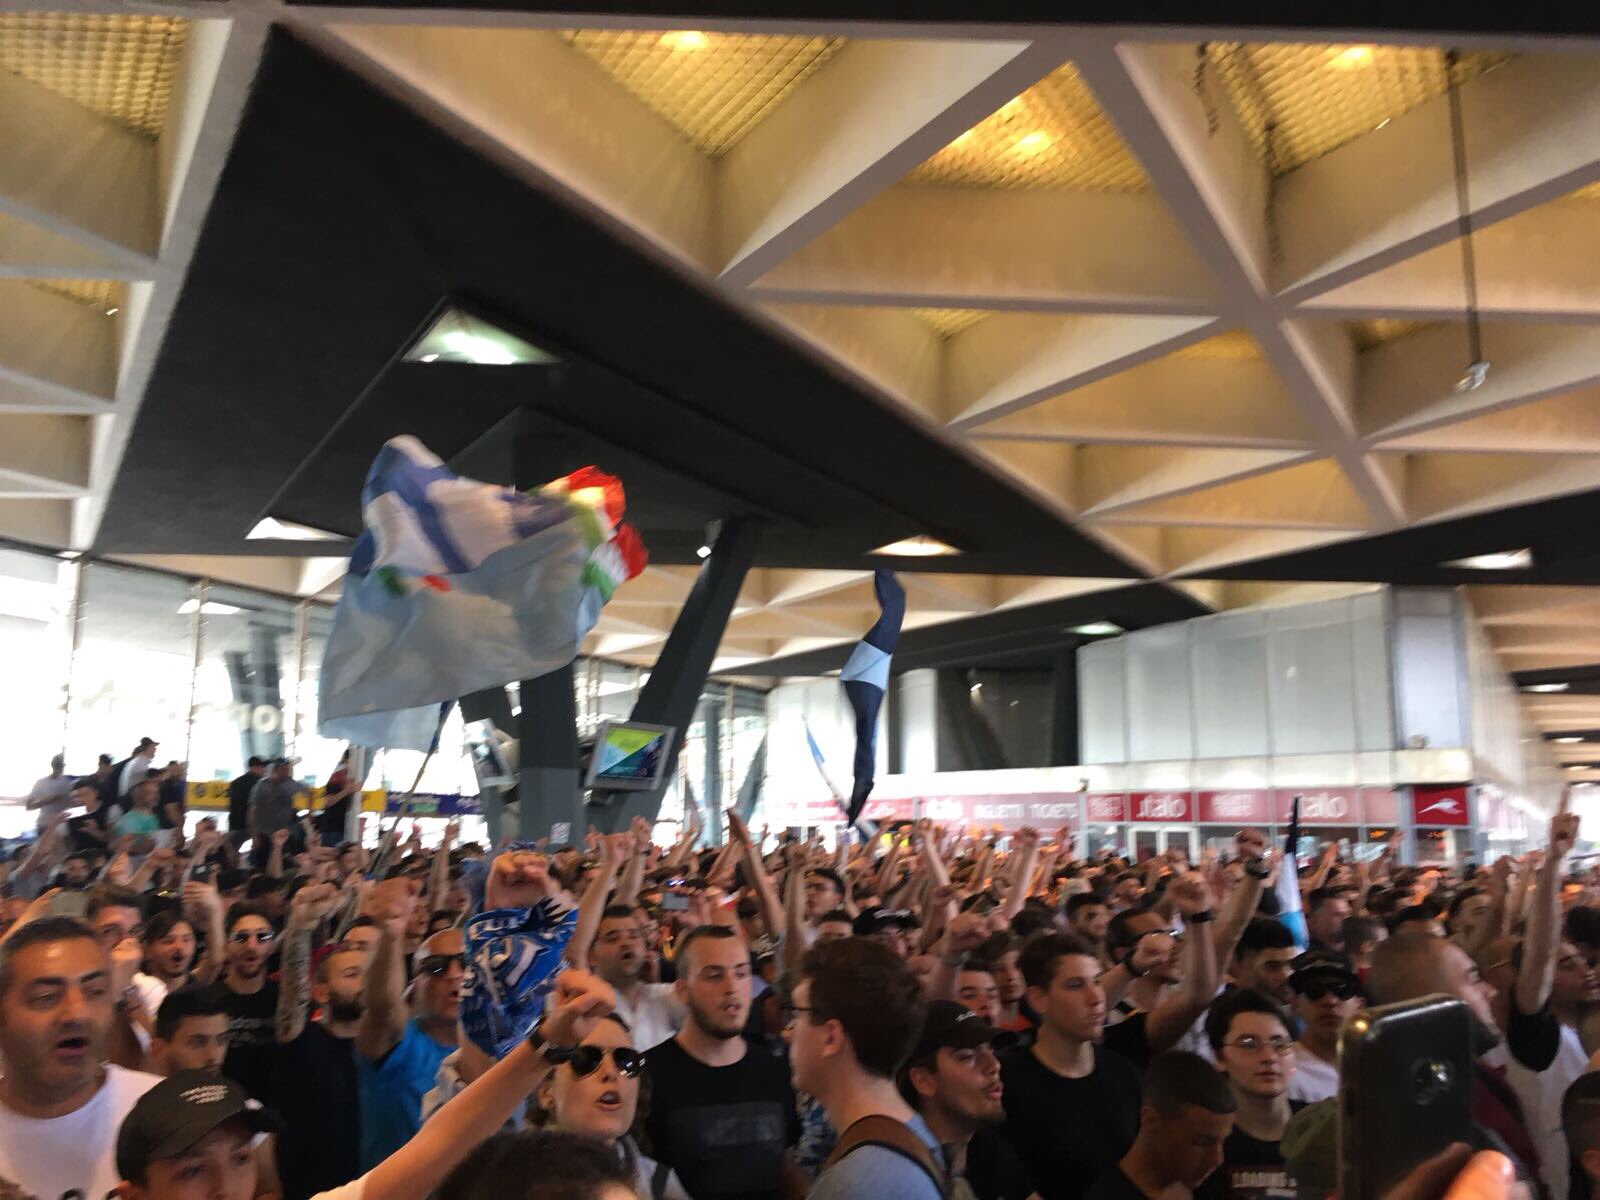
column 179, row 1111
column 952, row 1026
column 876, row 920
column 1321, row 966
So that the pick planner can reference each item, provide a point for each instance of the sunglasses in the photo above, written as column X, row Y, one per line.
column 586, row 1060
column 1251, row 1044
column 244, row 937
column 1316, row 991
column 438, row 964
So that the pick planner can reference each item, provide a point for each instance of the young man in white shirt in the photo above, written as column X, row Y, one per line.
column 60, row 1105
column 51, row 795
column 1326, row 994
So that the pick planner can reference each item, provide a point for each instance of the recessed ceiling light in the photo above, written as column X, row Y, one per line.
column 112, row 311
column 685, row 40
column 961, row 139
column 1499, row 560
column 1095, row 629
column 211, row 608
column 1580, row 766
column 703, row 552
column 1351, row 57
column 458, row 337
column 1033, row 143
column 921, row 546
column 1546, row 687
column 290, row 531
column 1567, row 741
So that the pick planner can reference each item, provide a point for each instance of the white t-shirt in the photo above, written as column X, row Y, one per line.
column 656, row 1017
column 1540, row 1094
column 74, row 1155
column 1314, row 1078
column 151, row 993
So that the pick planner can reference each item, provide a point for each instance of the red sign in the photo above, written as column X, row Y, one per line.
column 1160, row 807
column 1243, row 807
column 1439, row 805
column 1105, row 808
column 1382, row 806
column 1321, row 806
column 1045, row 811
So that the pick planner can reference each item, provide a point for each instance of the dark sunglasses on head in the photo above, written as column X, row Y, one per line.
column 1342, row 989
column 586, row 1060
column 438, row 964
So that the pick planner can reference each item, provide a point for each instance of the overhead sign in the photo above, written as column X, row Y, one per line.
column 1432, row 805
column 1105, row 808
column 1160, row 807
column 1248, row 806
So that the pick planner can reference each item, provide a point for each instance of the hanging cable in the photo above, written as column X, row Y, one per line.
column 1478, row 366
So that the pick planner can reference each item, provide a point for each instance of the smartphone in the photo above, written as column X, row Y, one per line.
column 672, row 902
column 69, row 904
column 1405, row 1091
column 202, row 871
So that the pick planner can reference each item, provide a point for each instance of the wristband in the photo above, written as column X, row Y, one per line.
column 1136, row 972
column 554, row 1055
column 1257, row 869
column 1199, row 918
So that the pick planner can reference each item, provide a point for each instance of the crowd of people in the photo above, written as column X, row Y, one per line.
column 262, row 1008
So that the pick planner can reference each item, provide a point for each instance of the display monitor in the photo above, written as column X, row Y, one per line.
column 629, row 755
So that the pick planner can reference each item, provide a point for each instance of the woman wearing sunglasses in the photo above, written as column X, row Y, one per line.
column 596, row 1092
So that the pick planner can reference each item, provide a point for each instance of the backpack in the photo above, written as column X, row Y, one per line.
column 891, row 1135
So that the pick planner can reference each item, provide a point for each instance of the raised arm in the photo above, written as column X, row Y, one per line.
column 1237, row 910
column 468, row 1119
column 275, row 856
column 306, row 911
column 593, row 905
column 1537, row 974
column 755, row 871
column 796, row 937
column 633, row 869
column 439, row 870
column 1191, row 895
column 383, row 1023
column 964, row 934
column 203, row 904
column 1026, row 843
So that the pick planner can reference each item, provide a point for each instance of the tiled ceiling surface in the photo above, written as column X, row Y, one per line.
column 119, row 66
column 1074, row 258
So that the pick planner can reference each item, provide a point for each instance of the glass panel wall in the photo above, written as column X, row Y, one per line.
column 102, row 654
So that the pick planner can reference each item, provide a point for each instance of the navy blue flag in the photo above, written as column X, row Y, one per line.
column 866, row 676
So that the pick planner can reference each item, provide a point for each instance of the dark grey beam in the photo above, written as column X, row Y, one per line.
column 679, row 675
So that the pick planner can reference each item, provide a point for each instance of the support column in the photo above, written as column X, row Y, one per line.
column 1064, row 711
column 670, row 695
column 549, row 803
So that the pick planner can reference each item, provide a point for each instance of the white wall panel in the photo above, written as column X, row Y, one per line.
column 1311, row 678
column 1102, row 702
column 1160, row 701
column 1228, row 658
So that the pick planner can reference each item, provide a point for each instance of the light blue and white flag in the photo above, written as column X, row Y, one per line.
column 1288, row 888
column 457, row 585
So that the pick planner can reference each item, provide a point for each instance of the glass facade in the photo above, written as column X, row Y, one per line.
column 100, row 655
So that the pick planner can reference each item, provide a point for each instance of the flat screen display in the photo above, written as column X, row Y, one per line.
column 629, row 755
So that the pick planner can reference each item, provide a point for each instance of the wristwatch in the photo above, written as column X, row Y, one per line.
column 1256, row 869
column 554, row 1055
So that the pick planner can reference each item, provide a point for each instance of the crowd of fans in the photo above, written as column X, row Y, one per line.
column 266, row 1009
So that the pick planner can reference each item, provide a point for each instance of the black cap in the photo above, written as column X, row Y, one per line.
column 256, row 761
column 876, row 920
column 1321, row 966
column 179, row 1111
column 952, row 1026
column 147, row 741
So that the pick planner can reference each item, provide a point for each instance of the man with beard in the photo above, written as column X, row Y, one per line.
column 191, row 1032
column 1065, row 1080
column 1262, row 959
column 320, row 1145
column 952, row 1079
column 59, row 1106
column 1326, row 995
column 1251, row 1043
column 250, row 997
column 722, row 1114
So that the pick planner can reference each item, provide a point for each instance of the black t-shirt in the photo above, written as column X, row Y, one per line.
column 722, row 1129
column 84, row 828
column 315, row 1092
column 1114, row 1185
column 1252, row 1169
column 252, row 1038
column 1067, row 1132
column 994, row 1170
column 239, row 800
column 1130, row 1038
